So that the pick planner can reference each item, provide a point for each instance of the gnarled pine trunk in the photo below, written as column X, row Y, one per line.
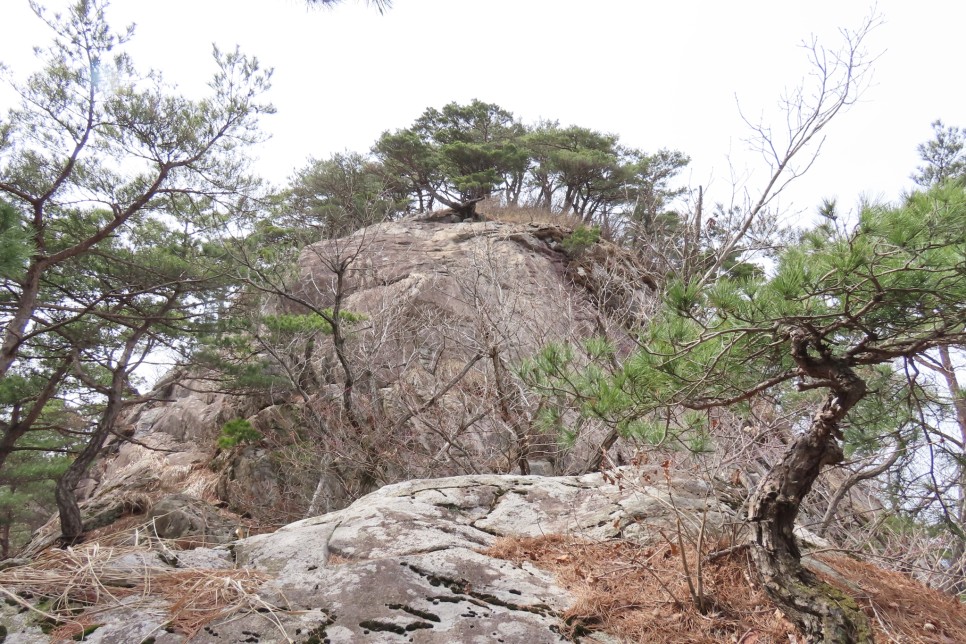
column 824, row 613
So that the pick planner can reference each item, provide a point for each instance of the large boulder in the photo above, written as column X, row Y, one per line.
column 409, row 563
column 446, row 307
column 185, row 518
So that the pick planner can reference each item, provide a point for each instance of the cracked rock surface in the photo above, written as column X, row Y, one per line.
column 406, row 563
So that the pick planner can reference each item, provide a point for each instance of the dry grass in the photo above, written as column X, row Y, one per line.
column 75, row 584
column 900, row 608
column 199, row 597
column 339, row 560
column 526, row 215
column 640, row 594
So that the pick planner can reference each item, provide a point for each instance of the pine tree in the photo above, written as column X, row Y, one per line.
column 118, row 185
column 843, row 307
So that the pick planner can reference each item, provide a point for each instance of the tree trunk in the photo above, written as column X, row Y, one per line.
column 16, row 326
column 71, row 523
column 5, row 535
column 958, row 550
column 824, row 613
column 340, row 266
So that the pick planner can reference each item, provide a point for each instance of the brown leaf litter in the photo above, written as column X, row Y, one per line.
column 640, row 593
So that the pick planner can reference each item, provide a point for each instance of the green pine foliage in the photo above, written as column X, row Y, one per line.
column 128, row 187
column 267, row 353
column 237, row 432
column 30, row 474
column 15, row 244
column 292, row 323
column 581, row 239
column 461, row 153
column 943, row 157
column 888, row 289
column 332, row 198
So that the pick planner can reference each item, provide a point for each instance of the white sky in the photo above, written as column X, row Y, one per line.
column 659, row 74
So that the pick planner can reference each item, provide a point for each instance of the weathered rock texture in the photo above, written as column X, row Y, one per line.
column 406, row 563
column 450, row 310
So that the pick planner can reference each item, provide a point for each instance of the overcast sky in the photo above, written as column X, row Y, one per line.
column 659, row 74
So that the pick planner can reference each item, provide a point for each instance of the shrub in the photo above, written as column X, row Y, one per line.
column 238, row 431
column 582, row 238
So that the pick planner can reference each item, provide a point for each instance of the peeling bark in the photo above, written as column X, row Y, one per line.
column 823, row 613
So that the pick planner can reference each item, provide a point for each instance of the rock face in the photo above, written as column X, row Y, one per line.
column 449, row 310
column 181, row 516
column 408, row 564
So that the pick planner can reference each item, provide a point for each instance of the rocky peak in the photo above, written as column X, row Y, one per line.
column 447, row 311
